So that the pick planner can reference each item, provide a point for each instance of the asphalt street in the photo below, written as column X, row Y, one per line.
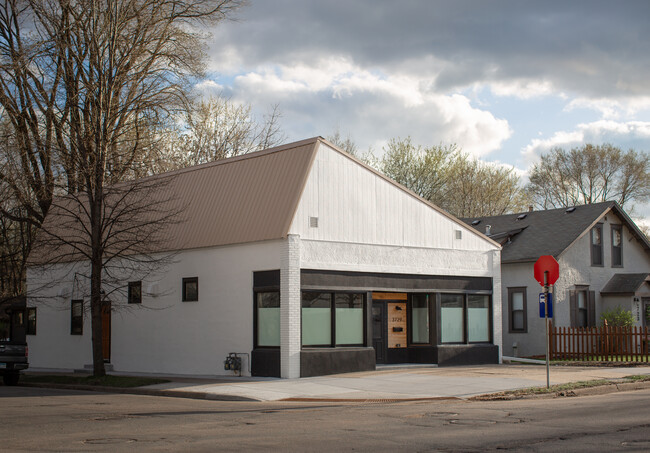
column 36, row 419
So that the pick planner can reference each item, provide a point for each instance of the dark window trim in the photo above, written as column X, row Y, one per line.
column 409, row 316
column 132, row 299
column 594, row 248
column 187, row 280
column 618, row 228
column 511, row 291
column 465, row 319
column 255, row 318
column 332, row 344
column 30, row 328
column 76, row 322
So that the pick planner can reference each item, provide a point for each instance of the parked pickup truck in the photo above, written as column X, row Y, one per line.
column 13, row 358
column 13, row 344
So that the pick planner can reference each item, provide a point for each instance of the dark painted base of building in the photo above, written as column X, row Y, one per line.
column 319, row 362
column 475, row 354
column 323, row 361
column 265, row 362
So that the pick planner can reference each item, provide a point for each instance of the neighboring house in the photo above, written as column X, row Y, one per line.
column 604, row 263
column 300, row 257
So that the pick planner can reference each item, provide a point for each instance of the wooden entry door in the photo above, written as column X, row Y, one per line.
column 106, row 332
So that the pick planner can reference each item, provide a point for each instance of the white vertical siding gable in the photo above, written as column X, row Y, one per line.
column 354, row 204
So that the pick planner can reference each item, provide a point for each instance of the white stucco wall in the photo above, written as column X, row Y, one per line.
column 164, row 335
column 575, row 269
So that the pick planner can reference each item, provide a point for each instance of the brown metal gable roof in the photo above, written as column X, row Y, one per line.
column 245, row 199
column 248, row 198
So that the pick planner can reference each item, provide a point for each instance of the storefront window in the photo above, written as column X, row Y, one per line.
column 451, row 318
column 268, row 319
column 420, row 318
column 316, row 319
column 478, row 318
column 349, row 319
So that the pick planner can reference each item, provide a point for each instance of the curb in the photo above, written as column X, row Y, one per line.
column 604, row 389
column 142, row 391
column 501, row 396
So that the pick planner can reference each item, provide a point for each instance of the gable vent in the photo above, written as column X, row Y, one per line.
column 313, row 222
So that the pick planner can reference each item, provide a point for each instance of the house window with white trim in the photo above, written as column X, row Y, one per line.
column 517, row 310
column 597, row 245
column 617, row 246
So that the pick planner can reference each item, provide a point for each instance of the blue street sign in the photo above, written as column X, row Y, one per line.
column 542, row 305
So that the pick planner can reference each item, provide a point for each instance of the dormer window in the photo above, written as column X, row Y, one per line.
column 597, row 245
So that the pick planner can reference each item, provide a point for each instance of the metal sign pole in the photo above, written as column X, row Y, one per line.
column 548, row 371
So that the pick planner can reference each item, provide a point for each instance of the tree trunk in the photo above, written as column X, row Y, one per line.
column 96, row 290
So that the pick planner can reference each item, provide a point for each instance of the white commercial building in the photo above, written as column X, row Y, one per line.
column 300, row 259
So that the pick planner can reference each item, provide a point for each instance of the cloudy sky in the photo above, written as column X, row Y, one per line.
column 505, row 80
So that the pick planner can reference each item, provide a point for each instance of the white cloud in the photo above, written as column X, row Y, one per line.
column 334, row 93
column 209, row 87
column 631, row 134
column 611, row 108
column 525, row 88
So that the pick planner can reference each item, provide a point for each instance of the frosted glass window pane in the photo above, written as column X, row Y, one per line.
column 268, row 319
column 451, row 318
column 517, row 301
column 316, row 319
column 420, row 318
column 349, row 319
column 478, row 318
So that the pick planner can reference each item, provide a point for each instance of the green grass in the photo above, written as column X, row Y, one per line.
column 103, row 381
column 560, row 388
column 638, row 378
column 564, row 387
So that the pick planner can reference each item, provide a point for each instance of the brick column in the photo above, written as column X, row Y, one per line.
column 290, row 334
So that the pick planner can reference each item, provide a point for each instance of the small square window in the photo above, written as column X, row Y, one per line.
column 76, row 317
column 191, row 289
column 31, row 321
column 135, row 292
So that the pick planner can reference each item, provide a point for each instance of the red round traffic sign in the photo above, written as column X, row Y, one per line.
column 543, row 264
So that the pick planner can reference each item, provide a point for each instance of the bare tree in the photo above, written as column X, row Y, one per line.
column 422, row 170
column 477, row 189
column 95, row 77
column 590, row 174
column 458, row 183
column 218, row 128
column 346, row 143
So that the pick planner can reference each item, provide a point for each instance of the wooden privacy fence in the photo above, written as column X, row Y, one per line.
column 603, row 344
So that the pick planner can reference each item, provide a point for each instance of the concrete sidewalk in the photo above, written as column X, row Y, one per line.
column 394, row 383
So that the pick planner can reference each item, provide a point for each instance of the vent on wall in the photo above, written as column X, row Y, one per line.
column 459, row 234
column 313, row 222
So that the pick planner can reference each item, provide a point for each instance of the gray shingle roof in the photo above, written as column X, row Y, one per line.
column 528, row 235
column 624, row 283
